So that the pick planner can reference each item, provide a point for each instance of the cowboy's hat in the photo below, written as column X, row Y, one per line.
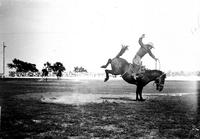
column 150, row 44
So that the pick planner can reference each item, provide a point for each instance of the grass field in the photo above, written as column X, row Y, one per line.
column 81, row 109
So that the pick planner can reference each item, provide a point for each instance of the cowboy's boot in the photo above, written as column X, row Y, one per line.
column 135, row 76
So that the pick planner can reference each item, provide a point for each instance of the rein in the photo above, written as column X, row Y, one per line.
column 158, row 63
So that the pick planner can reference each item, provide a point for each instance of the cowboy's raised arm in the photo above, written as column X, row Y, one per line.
column 140, row 40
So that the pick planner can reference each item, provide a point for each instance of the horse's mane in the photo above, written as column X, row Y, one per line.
column 149, row 71
column 154, row 70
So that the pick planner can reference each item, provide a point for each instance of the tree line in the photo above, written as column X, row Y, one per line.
column 56, row 68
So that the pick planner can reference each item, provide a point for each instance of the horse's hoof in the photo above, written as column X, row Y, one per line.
column 142, row 99
column 106, row 79
column 103, row 66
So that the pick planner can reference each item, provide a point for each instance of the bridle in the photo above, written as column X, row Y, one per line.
column 159, row 81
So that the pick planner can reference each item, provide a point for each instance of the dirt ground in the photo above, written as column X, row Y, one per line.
column 26, row 113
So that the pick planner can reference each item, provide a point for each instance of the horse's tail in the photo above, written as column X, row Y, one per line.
column 123, row 49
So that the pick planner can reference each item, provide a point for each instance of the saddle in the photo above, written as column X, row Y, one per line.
column 138, row 70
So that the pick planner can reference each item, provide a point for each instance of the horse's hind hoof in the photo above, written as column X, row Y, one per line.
column 106, row 79
column 103, row 66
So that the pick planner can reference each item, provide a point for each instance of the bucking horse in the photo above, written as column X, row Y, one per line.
column 120, row 66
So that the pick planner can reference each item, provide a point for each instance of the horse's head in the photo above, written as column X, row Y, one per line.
column 160, row 82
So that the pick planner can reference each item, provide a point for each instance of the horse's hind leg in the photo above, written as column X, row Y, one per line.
column 105, row 66
column 107, row 74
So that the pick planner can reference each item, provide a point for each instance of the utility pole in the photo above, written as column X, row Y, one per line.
column 3, row 59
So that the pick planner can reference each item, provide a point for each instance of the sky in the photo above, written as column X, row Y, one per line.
column 88, row 32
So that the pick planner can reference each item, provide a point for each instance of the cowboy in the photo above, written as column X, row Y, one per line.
column 144, row 49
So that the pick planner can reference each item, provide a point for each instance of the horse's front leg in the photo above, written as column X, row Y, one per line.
column 139, row 93
column 107, row 74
